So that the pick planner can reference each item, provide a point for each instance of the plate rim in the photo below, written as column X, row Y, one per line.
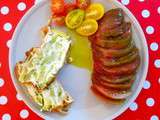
column 136, row 24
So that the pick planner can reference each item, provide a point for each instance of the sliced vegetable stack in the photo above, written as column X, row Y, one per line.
column 116, row 58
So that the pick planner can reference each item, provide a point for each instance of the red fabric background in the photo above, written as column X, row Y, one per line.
column 143, row 112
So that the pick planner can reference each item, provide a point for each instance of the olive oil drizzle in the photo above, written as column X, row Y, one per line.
column 80, row 51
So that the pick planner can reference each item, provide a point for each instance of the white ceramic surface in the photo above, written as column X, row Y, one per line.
column 76, row 81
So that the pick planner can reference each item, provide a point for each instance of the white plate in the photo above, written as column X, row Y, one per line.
column 76, row 81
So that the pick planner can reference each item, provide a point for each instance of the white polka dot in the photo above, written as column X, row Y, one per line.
column 1, row 82
column 150, row 102
column 145, row 13
column 21, row 6
column 158, row 10
column 18, row 97
column 37, row 1
column 157, row 63
column 7, row 26
column 4, row 10
column 24, row 113
column 133, row 106
column 154, row 46
column 141, row 0
column 9, row 42
column 6, row 117
column 154, row 117
column 146, row 85
column 3, row 100
column 150, row 30
column 125, row 2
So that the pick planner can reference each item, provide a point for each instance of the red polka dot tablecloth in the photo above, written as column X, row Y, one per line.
column 145, row 107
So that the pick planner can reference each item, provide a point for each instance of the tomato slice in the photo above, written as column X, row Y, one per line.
column 95, row 11
column 88, row 27
column 74, row 18
column 57, row 6
column 83, row 4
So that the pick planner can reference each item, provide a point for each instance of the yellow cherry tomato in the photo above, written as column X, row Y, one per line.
column 95, row 11
column 74, row 18
column 88, row 27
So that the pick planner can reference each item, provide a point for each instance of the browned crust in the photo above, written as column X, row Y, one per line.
column 44, row 31
column 16, row 71
column 31, row 52
column 62, row 108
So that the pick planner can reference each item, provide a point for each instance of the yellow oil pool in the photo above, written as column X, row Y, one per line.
column 81, row 52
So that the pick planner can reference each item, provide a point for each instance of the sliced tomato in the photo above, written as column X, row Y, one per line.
column 88, row 27
column 95, row 11
column 83, row 4
column 74, row 18
column 57, row 6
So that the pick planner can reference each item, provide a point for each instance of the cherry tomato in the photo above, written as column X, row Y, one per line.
column 57, row 6
column 74, row 18
column 83, row 4
column 88, row 27
column 95, row 11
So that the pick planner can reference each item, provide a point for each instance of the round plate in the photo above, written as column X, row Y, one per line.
column 75, row 80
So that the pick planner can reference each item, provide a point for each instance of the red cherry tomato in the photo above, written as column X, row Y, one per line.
column 83, row 4
column 60, row 9
column 69, row 7
column 57, row 6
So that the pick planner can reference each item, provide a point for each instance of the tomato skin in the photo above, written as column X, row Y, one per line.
column 69, row 7
column 83, row 4
column 57, row 6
